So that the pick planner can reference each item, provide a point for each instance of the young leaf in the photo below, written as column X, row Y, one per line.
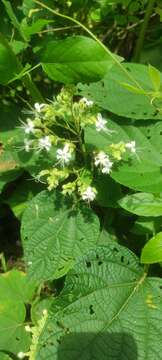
column 34, row 28
column 143, row 204
column 75, row 59
column 152, row 251
column 54, row 235
column 107, row 310
column 155, row 77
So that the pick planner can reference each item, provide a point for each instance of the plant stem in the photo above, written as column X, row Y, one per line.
column 146, row 268
column 140, row 40
column 3, row 262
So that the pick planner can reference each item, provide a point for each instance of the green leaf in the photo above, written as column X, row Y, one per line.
column 146, row 225
column 16, row 282
column 108, row 191
column 54, row 235
column 152, row 251
column 107, row 310
column 75, row 59
column 110, row 94
column 24, row 191
column 11, row 14
column 15, row 291
column 143, row 204
column 8, row 177
column 132, row 88
column 155, row 77
column 10, row 135
column 9, row 168
column 18, row 46
column 158, row 11
column 142, row 171
column 34, row 28
column 4, row 356
column 9, row 65
column 107, row 236
column 27, row 6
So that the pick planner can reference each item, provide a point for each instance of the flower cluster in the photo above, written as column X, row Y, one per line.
column 103, row 160
column 65, row 151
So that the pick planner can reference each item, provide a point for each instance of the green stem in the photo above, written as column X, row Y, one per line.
column 146, row 269
column 82, row 147
column 116, row 61
column 22, row 74
column 3, row 262
column 144, row 26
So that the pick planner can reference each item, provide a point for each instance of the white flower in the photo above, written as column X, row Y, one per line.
column 44, row 143
column 64, row 155
column 45, row 312
column 28, row 126
column 107, row 167
column 100, row 123
column 89, row 194
column 27, row 145
column 28, row 328
column 87, row 102
column 100, row 158
column 131, row 146
column 103, row 160
column 21, row 355
column 38, row 107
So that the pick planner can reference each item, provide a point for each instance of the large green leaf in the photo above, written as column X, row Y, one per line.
column 75, row 59
column 54, row 234
column 111, row 95
column 15, row 291
column 9, row 65
column 141, row 172
column 152, row 251
column 143, row 204
column 108, row 310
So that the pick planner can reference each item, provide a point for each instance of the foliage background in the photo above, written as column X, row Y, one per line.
column 82, row 287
